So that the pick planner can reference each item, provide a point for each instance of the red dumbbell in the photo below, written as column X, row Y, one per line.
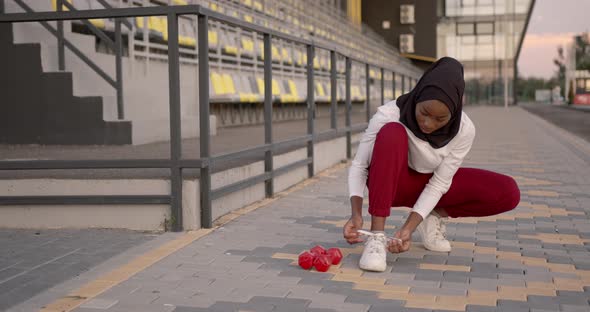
column 322, row 263
column 335, row 255
column 306, row 260
column 318, row 250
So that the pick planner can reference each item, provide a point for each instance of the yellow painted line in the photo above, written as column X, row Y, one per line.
column 533, row 170
column 557, row 238
column 114, row 277
column 541, row 193
column 445, row 267
column 525, row 181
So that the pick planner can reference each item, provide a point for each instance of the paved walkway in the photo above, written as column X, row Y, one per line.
column 535, row 258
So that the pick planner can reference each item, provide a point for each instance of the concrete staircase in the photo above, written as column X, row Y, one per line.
column 39, row 107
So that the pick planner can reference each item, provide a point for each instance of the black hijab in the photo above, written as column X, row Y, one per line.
column 443, row 81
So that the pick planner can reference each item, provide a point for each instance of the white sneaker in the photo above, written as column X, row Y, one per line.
column 374, row 255
column 433, row 230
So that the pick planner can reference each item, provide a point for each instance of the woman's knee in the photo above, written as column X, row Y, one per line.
column 510, row 194
column 392, row 130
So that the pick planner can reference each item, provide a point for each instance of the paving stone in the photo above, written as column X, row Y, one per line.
column 511, row 305
column 543, row 302
column 573, row 308
column 476, row 308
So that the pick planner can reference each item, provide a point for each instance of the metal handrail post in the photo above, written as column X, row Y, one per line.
column 310, row 107
column 61, row 59
column 119, row 68
column 175, row 126
column 403, row 84
column 348, row 67
column 382, row 86
column 268, row 155
column 393, row 86
column 368, row 92
column 205, row 144
column 333, row 86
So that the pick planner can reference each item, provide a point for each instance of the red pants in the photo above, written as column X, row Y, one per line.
column 473, row 192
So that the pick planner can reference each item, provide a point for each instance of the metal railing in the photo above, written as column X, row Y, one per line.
column 206, row 162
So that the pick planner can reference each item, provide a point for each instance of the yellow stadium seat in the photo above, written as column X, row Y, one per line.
column 316, row 63
column 275, row 54
column 63, row 6
column 298, row 58
column 228, row 84
column 248, row 18
column 228, row 43
column 293, row 95
column 213, row 39
column 222, row 88
column 97, row 22
column 257, row 5
column 153, row 25
column 286, row 57
column 217, row 83
column 247, row 47
column 161, row 25
column 247, row 2
column 320, row 89
column 275, row 87
column 245, row 92
column 321, row 94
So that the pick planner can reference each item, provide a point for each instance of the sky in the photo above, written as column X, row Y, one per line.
column 553, row 22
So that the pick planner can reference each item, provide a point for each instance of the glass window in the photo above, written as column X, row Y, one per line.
column 485, row 28
column 465, row 29
column 485, row 39
column 587, row 85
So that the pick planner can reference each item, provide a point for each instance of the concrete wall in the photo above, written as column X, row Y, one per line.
column 145, row 85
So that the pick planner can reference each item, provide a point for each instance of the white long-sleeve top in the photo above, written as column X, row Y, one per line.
column 422, row 157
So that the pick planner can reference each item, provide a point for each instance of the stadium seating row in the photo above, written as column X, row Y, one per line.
column 225, row 87
column 229, row 41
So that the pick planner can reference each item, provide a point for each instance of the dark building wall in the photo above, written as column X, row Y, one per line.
column 374, row 12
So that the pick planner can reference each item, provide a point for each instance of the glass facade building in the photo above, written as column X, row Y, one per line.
column 485, row 35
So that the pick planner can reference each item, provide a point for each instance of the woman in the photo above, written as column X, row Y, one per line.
column 410, row 156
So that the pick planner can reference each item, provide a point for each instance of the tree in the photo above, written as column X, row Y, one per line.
column 582, row 46
column 526, row 87
column 559, row 61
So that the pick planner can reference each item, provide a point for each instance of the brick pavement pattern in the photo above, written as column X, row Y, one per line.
column 535, row 258
column 33, row 261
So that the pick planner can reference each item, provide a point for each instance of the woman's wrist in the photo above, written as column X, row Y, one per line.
column 356, row 204
column 414, row 219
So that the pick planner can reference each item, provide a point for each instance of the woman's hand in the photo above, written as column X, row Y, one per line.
column 395, row 246
column 351, row 227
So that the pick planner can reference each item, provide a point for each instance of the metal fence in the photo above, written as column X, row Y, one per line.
column 175, row 163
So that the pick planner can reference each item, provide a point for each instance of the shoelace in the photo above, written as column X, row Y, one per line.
column 371, row 234
column 375, row 244
column 441, row 228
